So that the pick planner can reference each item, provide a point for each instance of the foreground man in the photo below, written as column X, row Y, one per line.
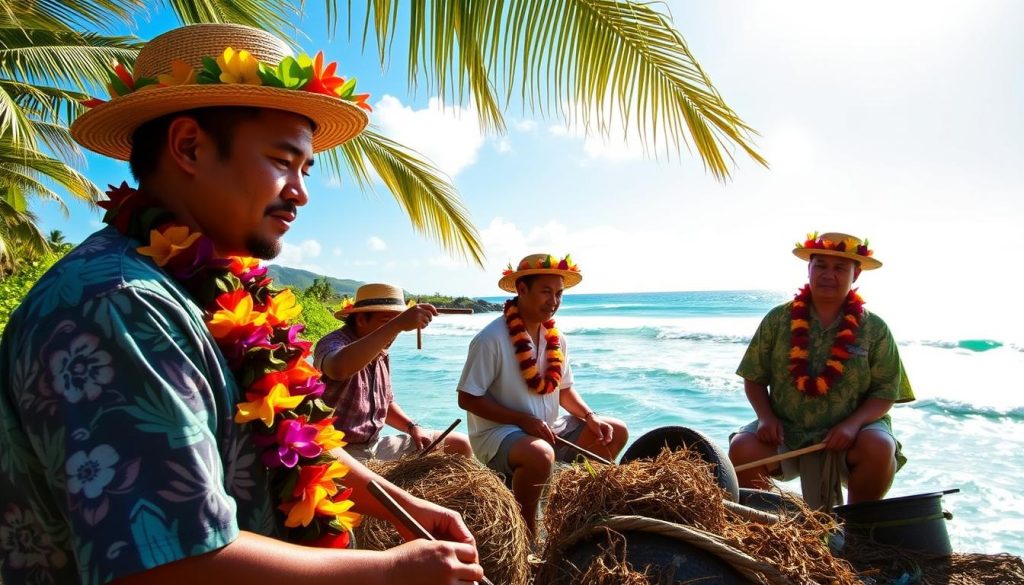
column 158, row 420
column 821, row 368
column 516, row 376
column 357, row 371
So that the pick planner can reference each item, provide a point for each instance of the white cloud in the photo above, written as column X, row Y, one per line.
column 300, row 255
column 503, row 146
column 556, row 130
column 448, row 135
column 525, row 125
column 336, row 251
column 613, row 143
column 376, row 244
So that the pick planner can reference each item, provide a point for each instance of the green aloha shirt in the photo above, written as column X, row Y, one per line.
column 874, row 370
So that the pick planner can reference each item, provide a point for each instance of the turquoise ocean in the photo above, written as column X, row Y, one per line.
column 657, row 359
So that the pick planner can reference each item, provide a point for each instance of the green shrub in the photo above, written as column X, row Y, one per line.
column 14, row 287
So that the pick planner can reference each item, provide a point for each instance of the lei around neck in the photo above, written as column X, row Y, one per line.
column 523, row 344
column 250, row 320
column 799, row 353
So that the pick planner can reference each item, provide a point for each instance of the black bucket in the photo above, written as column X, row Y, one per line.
column 677, row 560
column 650, row 444
column 916, row 524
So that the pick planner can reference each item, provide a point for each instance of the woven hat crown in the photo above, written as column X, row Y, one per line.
column 192, row 43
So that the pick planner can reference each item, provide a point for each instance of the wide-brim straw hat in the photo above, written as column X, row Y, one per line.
column 107, row 128
column 535, row 264
column 838, row 244
column 373, row 298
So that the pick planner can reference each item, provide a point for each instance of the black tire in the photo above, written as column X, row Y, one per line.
column 685, row 563
column 649, row 445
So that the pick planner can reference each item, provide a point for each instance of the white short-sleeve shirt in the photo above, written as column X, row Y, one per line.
column 492, row 369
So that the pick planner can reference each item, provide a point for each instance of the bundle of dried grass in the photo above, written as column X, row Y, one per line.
column 887, row 564
column 464, row 485
column 678, row 487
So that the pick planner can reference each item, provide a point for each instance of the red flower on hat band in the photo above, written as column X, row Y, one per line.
column 547, row 263
column 848, row 245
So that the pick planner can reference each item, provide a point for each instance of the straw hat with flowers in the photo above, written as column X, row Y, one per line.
column 208, row 65
column 541, row 264
column 838, row 244
column 372, row 298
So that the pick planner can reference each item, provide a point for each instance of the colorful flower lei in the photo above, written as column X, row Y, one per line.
column 523, row 344
column 304, row 73
column 249, row 319
column 549, row 263
column 848, row 245
column 799, row 353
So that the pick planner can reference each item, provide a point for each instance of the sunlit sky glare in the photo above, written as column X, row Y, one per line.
column 899, row 121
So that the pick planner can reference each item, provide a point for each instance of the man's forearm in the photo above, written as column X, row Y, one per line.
column 757, row 395
column 255, row 558
column 397, row 419
column 572, row 402
column 486, row 407
column 355, row 356
column 872, row 410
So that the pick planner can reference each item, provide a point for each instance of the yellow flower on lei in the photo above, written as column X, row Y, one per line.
column 265, row 407
column 282, row 308
column 167, row 244
column 225, row 321
column 239, row 67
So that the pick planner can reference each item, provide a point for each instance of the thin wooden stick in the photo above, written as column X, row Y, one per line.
column 440, row 311
column 593, row 456
column 407, row 520
column 439, row 438
column 780, row 457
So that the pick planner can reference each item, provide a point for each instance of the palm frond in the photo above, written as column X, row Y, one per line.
column 421, row 190
column 32, row 173
column 61, row 58
column 20, row 236
column 276, row 17
column 74, row 14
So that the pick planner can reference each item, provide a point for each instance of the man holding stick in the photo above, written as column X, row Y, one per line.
column 516, row 377
column 357, row 370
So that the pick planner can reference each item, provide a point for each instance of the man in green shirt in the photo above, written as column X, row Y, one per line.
column 821, row 369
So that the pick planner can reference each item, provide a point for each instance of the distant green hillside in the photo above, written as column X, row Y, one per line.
column 298, row 279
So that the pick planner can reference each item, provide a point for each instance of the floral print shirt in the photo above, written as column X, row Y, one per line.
column 118, row 451
column 874, row 369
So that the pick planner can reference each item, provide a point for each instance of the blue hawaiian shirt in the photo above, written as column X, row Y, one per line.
column 118, row 451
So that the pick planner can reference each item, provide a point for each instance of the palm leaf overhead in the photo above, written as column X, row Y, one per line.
column 587, row 61
column 422, row 191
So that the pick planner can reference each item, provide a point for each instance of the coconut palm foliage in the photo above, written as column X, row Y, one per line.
column 585, row 61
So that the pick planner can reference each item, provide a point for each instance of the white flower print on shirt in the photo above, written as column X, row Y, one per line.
column 81, row 370
column 90, row 473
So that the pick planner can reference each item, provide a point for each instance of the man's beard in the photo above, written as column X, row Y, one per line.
column 263, row 248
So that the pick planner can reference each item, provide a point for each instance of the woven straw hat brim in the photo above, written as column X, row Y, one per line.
column 866, row 262
column 108, row 127
column 569, row 277
column 369, row 309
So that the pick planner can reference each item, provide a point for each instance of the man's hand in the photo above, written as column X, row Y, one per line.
column 430, row 562
column 419, row 438
column 601, row 429
column 769, row 430
column 842, row 436
column 415, row 317
column 537, row 428
column 441, row 523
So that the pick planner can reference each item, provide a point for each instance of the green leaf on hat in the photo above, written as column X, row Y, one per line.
column 144, row 81
column 347, row 89
column 292, row 74
column 116, row 87
column 210, row 73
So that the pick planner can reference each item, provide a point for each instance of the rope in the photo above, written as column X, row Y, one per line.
column 746, row 565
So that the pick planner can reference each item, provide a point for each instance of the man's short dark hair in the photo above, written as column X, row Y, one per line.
column 149, row 139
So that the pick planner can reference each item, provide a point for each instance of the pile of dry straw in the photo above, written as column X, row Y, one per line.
column 678, row 487
column 464, row 485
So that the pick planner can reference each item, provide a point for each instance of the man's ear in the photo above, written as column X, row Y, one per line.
column 856, row 273
column 184, row 140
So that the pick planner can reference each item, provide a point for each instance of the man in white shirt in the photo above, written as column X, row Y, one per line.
column 516, row 377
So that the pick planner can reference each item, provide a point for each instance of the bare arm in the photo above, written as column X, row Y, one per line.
column 397, row 419
column 572, row 402
column 769, row 429
column 843, row 435
column 259, row 558
column 487, row 407
column 348, row 360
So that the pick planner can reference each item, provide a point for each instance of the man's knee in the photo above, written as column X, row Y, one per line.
column 458, row 443
column 746, row 447
column 532, row 454
column 873, row 447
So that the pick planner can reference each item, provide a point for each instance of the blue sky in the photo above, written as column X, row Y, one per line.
column 898, row 121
